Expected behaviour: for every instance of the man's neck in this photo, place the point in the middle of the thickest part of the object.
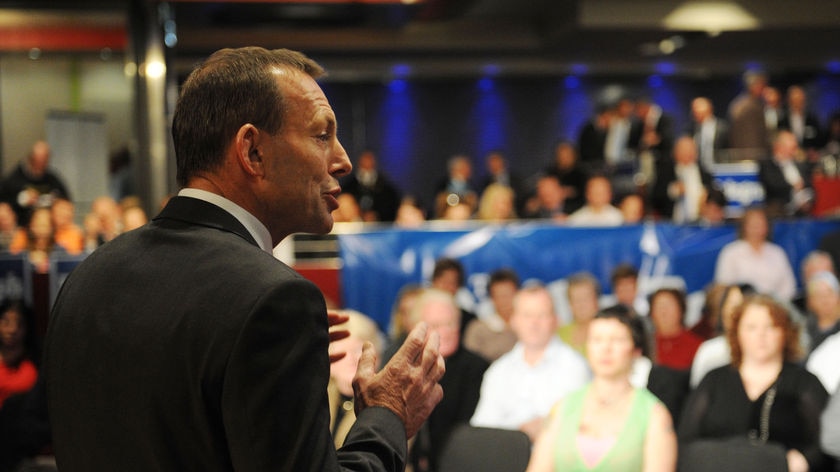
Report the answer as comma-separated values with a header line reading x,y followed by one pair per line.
x,y
533,355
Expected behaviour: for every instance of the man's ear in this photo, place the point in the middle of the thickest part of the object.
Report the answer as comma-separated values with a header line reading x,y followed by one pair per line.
x,y
248,153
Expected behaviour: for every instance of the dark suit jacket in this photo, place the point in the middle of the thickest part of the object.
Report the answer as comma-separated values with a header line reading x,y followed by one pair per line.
x,y
182,346
813,135
720,139
777,192
666,173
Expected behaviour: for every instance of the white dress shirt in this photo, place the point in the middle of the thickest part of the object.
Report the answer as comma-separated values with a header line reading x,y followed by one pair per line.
x,y
514,392
824,362
254,226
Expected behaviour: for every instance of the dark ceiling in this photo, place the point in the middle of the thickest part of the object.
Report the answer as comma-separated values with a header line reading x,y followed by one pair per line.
x,y
369,39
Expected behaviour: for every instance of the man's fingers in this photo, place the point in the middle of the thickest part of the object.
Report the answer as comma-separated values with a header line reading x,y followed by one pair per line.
x,y
334,318
432,360
337,357
339,334
412,348
367,362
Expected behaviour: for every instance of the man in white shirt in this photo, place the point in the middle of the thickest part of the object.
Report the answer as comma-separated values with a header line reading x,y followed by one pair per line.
x,y
598,210
520,387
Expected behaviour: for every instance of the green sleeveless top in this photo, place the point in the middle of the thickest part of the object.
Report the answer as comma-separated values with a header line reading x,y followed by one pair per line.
x,y
627,452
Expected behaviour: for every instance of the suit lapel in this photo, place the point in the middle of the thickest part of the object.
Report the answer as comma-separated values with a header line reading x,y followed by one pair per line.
x,y
198,212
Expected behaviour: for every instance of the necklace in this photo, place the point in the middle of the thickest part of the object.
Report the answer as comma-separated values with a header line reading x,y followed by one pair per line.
x,y
605,401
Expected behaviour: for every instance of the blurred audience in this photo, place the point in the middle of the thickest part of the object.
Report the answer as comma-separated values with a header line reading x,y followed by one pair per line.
x,y
748,135
710,133
598,211
32,184
830,433
762,398
675,345
448,275
520,387
753,259
461,382
67,233
608,425
549,200
582,292
491,335
402,320
823,301
18,355
570,174
802,122
786,181
9,228
715,352
498,172
497,204
681,185
377,198
340,389
457,187
38,242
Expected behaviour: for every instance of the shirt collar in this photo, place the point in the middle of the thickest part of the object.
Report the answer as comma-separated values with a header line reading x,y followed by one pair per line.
x,y
254,226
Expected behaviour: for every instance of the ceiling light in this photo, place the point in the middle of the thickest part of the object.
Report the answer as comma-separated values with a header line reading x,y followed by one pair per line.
x,y
712,17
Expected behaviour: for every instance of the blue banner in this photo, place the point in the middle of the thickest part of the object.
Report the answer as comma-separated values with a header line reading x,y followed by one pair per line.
x,y
378,263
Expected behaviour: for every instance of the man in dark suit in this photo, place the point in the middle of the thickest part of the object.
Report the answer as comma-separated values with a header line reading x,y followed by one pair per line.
x,y
802,122
184,345
681,184
378,198
786,182
711,134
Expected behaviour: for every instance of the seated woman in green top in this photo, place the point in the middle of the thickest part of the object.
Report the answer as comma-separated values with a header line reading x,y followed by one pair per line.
x,y
608,425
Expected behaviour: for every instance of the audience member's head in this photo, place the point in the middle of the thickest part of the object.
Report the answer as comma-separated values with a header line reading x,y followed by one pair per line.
x,y
348,210
730,300
625,284
615,339
534,320
702,109
16,336
448,275
362,329
685,151
133,218
496,203
502,288
713,210
754,226
8,218
438,310
565,155
785,146
667,311
824,298
409,214
762,332
814,262
38,159
598,192
583,292
401,314
632,209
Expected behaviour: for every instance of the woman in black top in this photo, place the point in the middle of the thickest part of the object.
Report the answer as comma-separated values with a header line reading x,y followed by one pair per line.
x,y
762,396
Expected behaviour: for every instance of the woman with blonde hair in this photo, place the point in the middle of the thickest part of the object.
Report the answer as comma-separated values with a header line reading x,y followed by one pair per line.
x,y
497,203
